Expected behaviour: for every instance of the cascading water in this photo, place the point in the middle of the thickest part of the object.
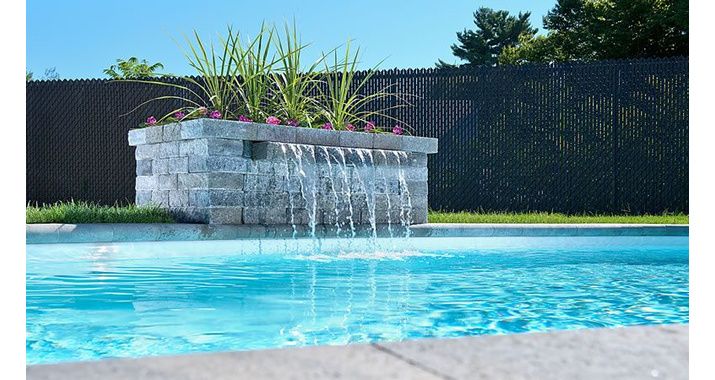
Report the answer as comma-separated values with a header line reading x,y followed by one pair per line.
x,y
405,213
387,197
331,181
358,175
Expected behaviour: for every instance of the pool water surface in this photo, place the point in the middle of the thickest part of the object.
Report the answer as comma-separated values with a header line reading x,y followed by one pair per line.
x,y
93,301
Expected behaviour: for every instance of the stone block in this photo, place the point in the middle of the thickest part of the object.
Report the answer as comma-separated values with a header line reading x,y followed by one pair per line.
x,y
167,182
146,183
178,165
416,159
178,198
314,136
197,147
154,134
225,215
417,188
224,197
267,151
265,215
203,128
160,166
193,180
226,181
415,173
199,198
276,133
146,151
172,132
356,139
265,183
219,164
234,181
216,197
168,149
212,147
386,157
160,198
261,199
144,167
143,198
386,141
137,136
387,185
419,144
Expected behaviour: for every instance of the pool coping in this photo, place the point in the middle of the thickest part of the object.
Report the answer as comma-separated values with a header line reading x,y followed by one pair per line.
x,y
111,232
637,352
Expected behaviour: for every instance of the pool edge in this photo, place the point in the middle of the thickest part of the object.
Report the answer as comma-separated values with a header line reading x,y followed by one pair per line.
x,y
109,233
614,353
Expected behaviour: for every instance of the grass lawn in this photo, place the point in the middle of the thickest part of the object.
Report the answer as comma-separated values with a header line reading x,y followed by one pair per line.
x,y
83,212
548,217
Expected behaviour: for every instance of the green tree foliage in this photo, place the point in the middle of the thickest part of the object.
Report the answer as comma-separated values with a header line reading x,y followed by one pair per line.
x,y
495,31
28,76
606,29
132,68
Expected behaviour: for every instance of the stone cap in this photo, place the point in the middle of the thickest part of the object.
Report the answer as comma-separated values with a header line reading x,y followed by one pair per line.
x,y
228,129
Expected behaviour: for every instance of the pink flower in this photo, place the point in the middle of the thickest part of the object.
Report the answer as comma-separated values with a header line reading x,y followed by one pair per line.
x,y
370,126
397,130
292,122
350,127
327,126
215,114
151,120
203,110
273,120
244,119
179,115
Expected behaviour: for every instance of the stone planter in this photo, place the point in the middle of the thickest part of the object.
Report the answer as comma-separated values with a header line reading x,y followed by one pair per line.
x,y
229,172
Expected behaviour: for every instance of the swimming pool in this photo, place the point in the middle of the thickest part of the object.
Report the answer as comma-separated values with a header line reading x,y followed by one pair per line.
x,y
93,301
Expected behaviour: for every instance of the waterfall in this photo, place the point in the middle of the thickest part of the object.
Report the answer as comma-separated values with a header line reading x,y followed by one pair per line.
x,y
405,214
344,175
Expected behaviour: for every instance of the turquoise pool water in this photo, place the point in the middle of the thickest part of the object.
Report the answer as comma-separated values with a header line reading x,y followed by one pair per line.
x,y
92,301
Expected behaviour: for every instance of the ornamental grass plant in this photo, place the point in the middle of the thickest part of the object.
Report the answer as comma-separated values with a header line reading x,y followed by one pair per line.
x,y
264,79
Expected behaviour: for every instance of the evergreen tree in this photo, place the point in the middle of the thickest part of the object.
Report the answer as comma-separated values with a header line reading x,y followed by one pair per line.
x,y
494,31
607,29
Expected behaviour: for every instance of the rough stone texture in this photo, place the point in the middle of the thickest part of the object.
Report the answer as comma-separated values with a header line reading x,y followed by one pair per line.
x,y
223,172
644,352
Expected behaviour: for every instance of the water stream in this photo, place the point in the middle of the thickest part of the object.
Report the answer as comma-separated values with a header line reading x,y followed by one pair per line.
x,y
348,176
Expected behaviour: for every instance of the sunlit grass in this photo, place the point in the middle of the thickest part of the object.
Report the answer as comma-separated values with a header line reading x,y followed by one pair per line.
x,y
84,212
549,217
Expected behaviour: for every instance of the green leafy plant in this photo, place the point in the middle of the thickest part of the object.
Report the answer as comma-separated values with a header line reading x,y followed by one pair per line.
x,y
132,68
85,212
343,101
294,85
215,87
253,61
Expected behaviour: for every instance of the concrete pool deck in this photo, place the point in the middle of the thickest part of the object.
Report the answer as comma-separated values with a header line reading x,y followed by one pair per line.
x,y
642,352
107,233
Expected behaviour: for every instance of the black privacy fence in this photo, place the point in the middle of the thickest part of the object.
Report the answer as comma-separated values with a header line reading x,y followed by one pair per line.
x,y
606,136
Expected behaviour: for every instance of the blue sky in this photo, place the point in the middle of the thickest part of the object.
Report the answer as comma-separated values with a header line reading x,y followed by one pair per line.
x,y
82,37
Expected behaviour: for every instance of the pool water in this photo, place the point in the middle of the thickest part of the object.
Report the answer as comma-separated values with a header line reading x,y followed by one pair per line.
x,y
93,301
